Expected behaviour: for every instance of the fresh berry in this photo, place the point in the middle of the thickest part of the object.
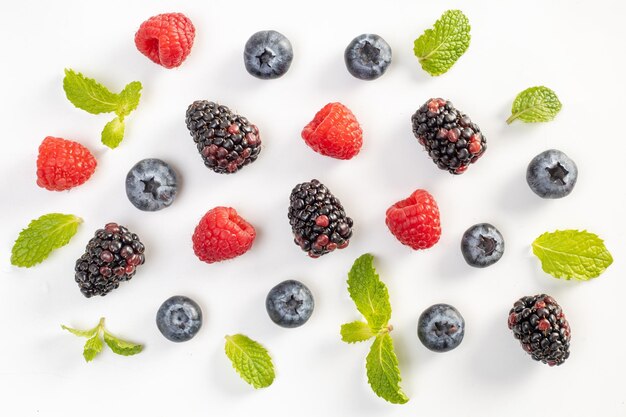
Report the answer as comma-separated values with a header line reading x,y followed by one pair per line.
x,y
289,304
318,220
441,328
449,136
334,132
267,55
552,174
166,39
151,185
415,220
222,234
63,164
482,245
367,57
112,256
179,318
539,324
226,141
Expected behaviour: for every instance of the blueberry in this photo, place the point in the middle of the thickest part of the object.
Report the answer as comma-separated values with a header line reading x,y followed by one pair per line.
x,y
267,55
441,328
151,185
482,245
179,318
551,174
289,304
367,56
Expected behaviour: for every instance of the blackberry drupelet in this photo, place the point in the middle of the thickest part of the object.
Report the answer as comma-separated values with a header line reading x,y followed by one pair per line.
x,y
450,137
318,220
112,256
226,141
541,327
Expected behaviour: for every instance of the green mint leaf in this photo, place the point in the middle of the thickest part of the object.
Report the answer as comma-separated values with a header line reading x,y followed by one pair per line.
x,y
356,331
369,293
82,333
93,346
42,236
113,132
439,48
572,254
121,347
251,360
535,104
383,373
87,94
129,99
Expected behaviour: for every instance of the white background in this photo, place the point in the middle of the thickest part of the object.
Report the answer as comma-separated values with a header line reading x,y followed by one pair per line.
x,y
574,47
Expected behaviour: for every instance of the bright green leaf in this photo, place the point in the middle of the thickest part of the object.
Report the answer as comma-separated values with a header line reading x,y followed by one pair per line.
x,y
87,94
113,133
129,99
121,347
93,346
82,333
369,293
356,331
383,372
572,254
535,104
42,236
251,360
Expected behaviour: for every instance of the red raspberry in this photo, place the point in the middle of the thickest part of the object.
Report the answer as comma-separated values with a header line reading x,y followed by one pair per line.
x,y
334,132
166,39
415,221
63,164
222,234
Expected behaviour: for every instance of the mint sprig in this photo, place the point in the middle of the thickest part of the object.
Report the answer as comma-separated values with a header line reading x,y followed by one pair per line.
x,y
42,236
572,254
94,345
89,95
439,48
371,298
534,105
251,360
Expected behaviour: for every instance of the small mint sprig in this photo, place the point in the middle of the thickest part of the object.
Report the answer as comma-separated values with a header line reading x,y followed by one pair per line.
x,y
371,298
89,95
251,360
94,345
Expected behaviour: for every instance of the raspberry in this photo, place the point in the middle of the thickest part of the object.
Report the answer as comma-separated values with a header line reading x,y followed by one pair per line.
x,y
334,132
63,164
166,39
415,220
222,234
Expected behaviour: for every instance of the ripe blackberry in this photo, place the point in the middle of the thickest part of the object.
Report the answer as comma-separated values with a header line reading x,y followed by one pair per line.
x,y
541,327
449,136
318,220
226,141
111,257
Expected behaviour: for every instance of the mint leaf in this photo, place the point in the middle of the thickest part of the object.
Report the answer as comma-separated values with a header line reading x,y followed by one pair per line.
x,y
251,360
439,48
113,133
87,94
82,333
93,346
356,331
572,254
369,293
535,104
383,373
121,347
128,99
42,236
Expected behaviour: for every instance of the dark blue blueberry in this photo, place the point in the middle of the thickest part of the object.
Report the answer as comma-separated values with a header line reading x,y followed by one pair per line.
x,y
290,304
367,56
151,185
551,174
267,55
441,328
179,318
482,245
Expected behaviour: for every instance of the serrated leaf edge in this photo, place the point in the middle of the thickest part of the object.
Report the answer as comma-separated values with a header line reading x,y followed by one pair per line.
x,y
253,382
515,116
403,399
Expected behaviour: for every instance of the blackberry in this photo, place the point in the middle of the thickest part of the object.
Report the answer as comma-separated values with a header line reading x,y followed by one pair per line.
x,y
541,327
450,137
112,256
318,220
226,141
